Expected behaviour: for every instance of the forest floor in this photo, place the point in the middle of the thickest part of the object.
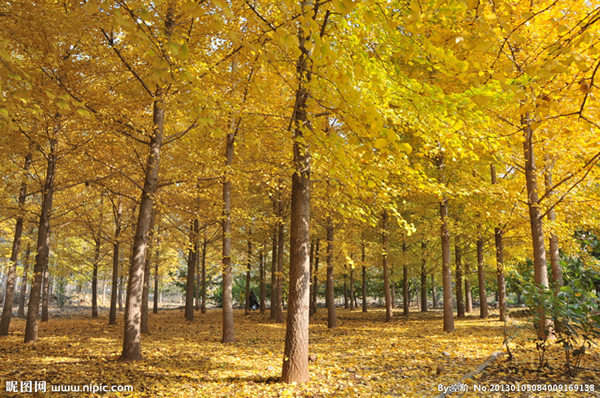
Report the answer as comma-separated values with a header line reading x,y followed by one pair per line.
x,y
363,357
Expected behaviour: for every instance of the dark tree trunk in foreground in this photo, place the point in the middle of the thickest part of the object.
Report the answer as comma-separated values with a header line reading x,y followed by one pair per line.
x,y
498,235
21,311
118,214
386,278
364,279
446,272
14,255
329,283
460,304
132,341
43,248
483,307
295,357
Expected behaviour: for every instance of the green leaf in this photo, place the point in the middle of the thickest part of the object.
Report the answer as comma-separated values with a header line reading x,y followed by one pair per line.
x,y
83,112
4,113
63,105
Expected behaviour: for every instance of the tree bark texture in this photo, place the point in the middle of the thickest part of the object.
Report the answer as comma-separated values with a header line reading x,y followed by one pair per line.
x,y
446,271
42,247
386,278
132,341
364,278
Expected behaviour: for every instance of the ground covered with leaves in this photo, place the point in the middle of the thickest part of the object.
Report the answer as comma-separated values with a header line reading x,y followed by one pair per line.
x,y
362,357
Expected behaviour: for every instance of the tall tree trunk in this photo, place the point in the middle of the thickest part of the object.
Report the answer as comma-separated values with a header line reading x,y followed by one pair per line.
x,y
386,279
228,336
535,219
460,304
329,287
24,282
423,279
364,278
43,247
14,254
95,278
315,292
248,269
483,307
203,279
118,214
295,362
498,235
557,275
191,269
263,282
275,239
132,340
446,272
